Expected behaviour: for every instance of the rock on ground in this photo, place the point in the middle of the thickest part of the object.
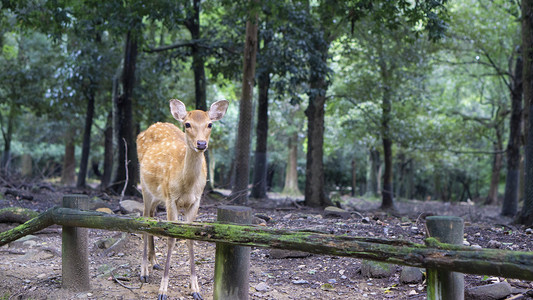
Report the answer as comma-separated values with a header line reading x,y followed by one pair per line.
x,y
493,291
377,269
131,206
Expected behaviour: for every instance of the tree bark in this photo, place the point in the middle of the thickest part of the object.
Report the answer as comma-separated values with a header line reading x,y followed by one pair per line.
x,y
497,163
387,192
291,173
68,174
512,181
86,147
315,194
108,152
242,146
503,263
373,171
526,215
7,134
259,183
124,104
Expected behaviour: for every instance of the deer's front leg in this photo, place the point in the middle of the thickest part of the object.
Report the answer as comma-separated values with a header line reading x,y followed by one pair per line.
x,y
195,289
164,281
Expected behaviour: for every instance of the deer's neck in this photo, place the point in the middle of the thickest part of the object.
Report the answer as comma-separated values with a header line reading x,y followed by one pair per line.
x,y
193,176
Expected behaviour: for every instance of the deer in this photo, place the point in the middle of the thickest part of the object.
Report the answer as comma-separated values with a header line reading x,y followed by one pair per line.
x,y
173,173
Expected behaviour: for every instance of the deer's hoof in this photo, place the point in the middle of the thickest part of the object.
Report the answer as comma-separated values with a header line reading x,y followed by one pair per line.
x,y
162,297
144,278
197,296
157,267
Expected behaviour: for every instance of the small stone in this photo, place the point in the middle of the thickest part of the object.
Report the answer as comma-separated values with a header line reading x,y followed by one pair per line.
x,y
411,275
261,287
341,272
365,220
105,210
529,230
498,290
335,212
494,244
105,243
466,243
476,246
332,281
131,206
300,281
376,269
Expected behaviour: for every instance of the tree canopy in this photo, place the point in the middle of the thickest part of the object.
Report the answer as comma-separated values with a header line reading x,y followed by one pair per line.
x,y
380,99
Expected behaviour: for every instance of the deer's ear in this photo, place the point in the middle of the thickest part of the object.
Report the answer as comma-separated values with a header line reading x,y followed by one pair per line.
x,y
178,110
218,110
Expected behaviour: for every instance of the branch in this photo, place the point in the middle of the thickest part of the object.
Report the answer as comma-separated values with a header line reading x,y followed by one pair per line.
x,y
198,42
175,46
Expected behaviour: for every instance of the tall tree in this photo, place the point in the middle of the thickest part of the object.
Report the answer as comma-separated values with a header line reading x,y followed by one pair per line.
x,y
127,166
259,183
510,198
324,34
242,145
526,214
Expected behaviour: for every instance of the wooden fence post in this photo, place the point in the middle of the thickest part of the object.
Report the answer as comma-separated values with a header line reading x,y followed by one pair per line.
x,y
74,249
443,284
232,263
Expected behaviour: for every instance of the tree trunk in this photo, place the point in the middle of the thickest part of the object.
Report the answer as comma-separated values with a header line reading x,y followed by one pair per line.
x,y
193,24
242,146
125,122
8,135
497,163
68,174
108,152
373,167
86,147
510,198
291,174
354,177
315,194
526,215
387,201
198,65
259,186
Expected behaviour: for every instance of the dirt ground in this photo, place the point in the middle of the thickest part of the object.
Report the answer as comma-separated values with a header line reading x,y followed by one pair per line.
x,y
31,268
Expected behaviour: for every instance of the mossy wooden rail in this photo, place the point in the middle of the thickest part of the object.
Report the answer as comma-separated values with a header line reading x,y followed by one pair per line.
x,y
510,264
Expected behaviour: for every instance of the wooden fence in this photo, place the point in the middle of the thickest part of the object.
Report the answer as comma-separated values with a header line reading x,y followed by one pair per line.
x,y
444,261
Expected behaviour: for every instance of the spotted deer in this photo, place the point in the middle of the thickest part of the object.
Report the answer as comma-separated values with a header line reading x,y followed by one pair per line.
x,y
173,172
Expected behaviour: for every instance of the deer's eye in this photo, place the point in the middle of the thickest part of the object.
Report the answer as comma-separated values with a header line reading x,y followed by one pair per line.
x,y
187,125
209,125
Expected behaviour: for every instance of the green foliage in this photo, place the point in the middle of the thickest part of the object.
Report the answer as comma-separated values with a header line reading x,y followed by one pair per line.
x,y
446,65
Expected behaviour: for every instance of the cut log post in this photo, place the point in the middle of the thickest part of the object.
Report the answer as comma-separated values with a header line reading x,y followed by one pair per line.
x,y
232,263
74,250
443,284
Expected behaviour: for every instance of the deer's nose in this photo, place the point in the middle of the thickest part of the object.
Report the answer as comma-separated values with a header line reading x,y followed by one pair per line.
x,y
201,145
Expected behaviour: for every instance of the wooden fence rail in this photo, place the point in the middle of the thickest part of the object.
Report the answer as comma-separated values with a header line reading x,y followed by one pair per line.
x,y
432,255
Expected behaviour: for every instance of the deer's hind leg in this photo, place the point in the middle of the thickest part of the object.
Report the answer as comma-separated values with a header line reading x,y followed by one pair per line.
x,y
148,240
172,215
